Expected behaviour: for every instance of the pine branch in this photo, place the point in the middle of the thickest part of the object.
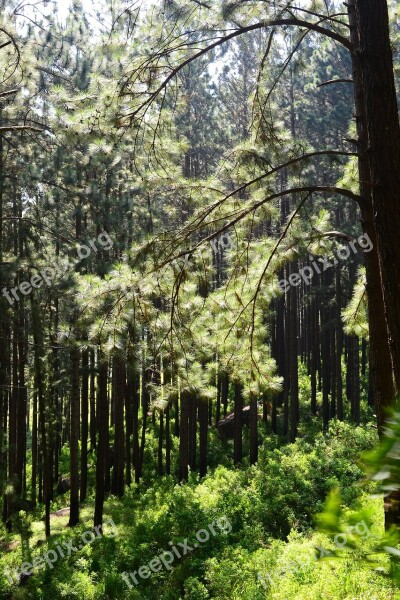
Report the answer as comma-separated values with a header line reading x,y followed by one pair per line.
x,y
310,189
52,73
335,81
198,221
7,128
8,93
5,44
237,32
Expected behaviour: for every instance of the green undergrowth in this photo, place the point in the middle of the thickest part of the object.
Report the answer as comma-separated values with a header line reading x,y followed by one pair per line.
x,y
268,550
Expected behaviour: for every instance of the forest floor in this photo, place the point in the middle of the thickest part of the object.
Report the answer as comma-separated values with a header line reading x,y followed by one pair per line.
x,y
265,546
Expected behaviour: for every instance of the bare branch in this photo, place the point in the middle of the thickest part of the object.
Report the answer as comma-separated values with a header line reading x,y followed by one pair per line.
x,y
203,4
335,81
331,18
8,93
52,73
19,128
5,44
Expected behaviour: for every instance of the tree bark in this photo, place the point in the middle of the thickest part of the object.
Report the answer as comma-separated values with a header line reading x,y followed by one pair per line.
x,y
102,440
74,438
238,424
383,155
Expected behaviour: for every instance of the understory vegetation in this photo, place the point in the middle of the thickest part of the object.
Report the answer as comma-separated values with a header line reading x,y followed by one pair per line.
x,y
272,548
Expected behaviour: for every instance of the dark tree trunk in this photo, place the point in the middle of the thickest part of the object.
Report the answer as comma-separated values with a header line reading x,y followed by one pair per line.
x,y
44,469
92,401
326,361
168,440
238,424
184,437
354,376
193,434
134,387
129,419
339,349
293,364
253,429
383,133
84,423
314,356
21,408
286,383
380,360
203,435
218,403
74,438
34,447
119,437
224,392
102,440
160,445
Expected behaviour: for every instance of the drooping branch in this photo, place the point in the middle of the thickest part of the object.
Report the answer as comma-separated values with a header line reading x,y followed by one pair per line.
x,y
331,18
198,221
10,40
223,39
296,190
253,207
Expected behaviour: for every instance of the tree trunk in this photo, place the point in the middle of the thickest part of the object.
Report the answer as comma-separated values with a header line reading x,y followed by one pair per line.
x,y
383,154
119,436
74,439
84,423
381,372
238,424
184,437
102,440
293,352
203,436
253,429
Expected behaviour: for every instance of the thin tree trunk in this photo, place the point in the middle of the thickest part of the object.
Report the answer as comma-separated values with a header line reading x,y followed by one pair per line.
x,y
168,440
102,440
293,358
84,423
119,437
253,429
203,436
74,438
238,424
184,437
